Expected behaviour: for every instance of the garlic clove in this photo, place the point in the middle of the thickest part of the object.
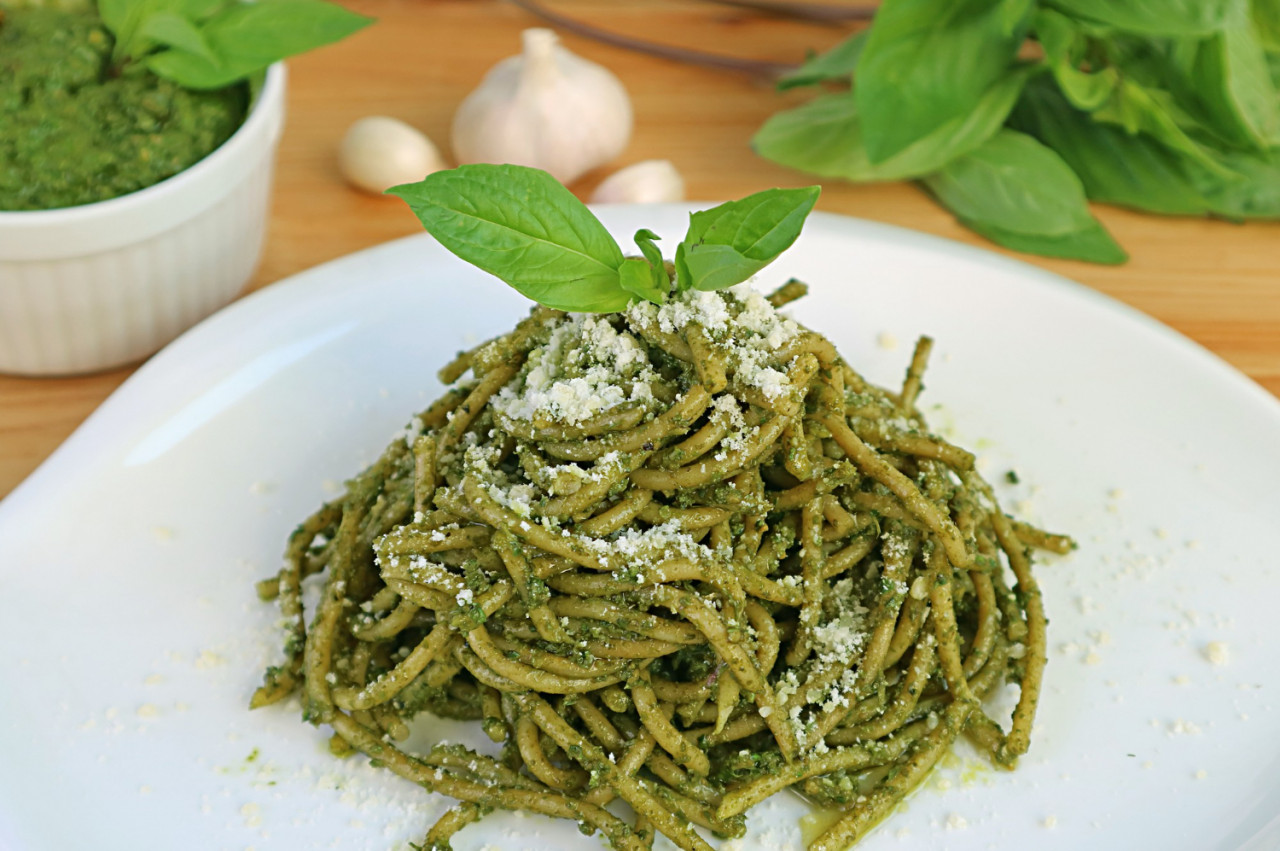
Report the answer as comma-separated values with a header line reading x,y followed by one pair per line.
x,y
546,108
648,182
379,152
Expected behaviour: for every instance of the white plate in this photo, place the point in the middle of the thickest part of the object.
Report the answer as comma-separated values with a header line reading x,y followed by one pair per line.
x,y
132,638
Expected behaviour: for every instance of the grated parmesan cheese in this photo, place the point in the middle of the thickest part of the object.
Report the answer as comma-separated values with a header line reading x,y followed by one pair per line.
x,y
586,367
1217,652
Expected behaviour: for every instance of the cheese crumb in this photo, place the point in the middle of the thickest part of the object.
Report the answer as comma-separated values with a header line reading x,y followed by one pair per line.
x,y
1217,652
586,367
919,588
208,659
252,815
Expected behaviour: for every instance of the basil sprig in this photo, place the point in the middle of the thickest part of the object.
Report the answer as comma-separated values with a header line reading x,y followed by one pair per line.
x,y
209,44
522,226
1168,106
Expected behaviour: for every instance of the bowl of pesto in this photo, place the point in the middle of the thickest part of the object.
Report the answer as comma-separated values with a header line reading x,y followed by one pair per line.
x,y
136,159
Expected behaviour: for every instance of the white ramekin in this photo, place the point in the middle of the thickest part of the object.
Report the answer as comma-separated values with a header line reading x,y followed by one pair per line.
x,y
100,285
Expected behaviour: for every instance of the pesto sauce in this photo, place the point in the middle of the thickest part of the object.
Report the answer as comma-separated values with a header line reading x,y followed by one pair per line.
x,y
73,130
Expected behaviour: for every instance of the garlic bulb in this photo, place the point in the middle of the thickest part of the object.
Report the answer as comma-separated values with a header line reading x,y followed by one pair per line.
x,y
380,152
546,108
648,182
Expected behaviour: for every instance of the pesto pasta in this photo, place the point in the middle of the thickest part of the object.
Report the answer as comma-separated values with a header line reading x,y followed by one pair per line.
x,y
681,555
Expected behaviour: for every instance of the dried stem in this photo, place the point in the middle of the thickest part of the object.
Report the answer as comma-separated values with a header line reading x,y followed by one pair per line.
x,y
818,12
753,67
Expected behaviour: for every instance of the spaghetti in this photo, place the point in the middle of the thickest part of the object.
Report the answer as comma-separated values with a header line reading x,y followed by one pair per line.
x,y
683,556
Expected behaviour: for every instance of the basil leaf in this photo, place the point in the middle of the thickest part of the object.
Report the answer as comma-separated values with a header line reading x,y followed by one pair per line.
x,y
1254,191
522,226
1227,79
1065,45
138,26
122,18
1157,17
714,267
246,37
1140,109
645,240
198,10
824,137
189,70
1114,166
1092,244
927,62
1266,22
115,14
1015,14
1139,172
1020,194
170,29
1016,184
836,64
646,276
635,275
729,243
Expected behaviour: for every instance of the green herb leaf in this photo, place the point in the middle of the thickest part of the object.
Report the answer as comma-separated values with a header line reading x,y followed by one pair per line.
x,y
247,37
189,70
115,14
635,275
1114,166
1015,15
1014,183
1013,186
729,243
1157,17
836,64
198,10
646,276
1065,45
928,62
825,136
1139,109
170,29
1266,22
123,18
254,35
645,240
1092,244
1139,172
522,226
1227,80
1252,193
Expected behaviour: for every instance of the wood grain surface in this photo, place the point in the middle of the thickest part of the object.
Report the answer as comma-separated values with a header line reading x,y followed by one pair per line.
x,y
1217,283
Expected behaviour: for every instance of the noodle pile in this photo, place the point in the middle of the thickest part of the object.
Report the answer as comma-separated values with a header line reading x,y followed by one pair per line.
x,y
682,556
